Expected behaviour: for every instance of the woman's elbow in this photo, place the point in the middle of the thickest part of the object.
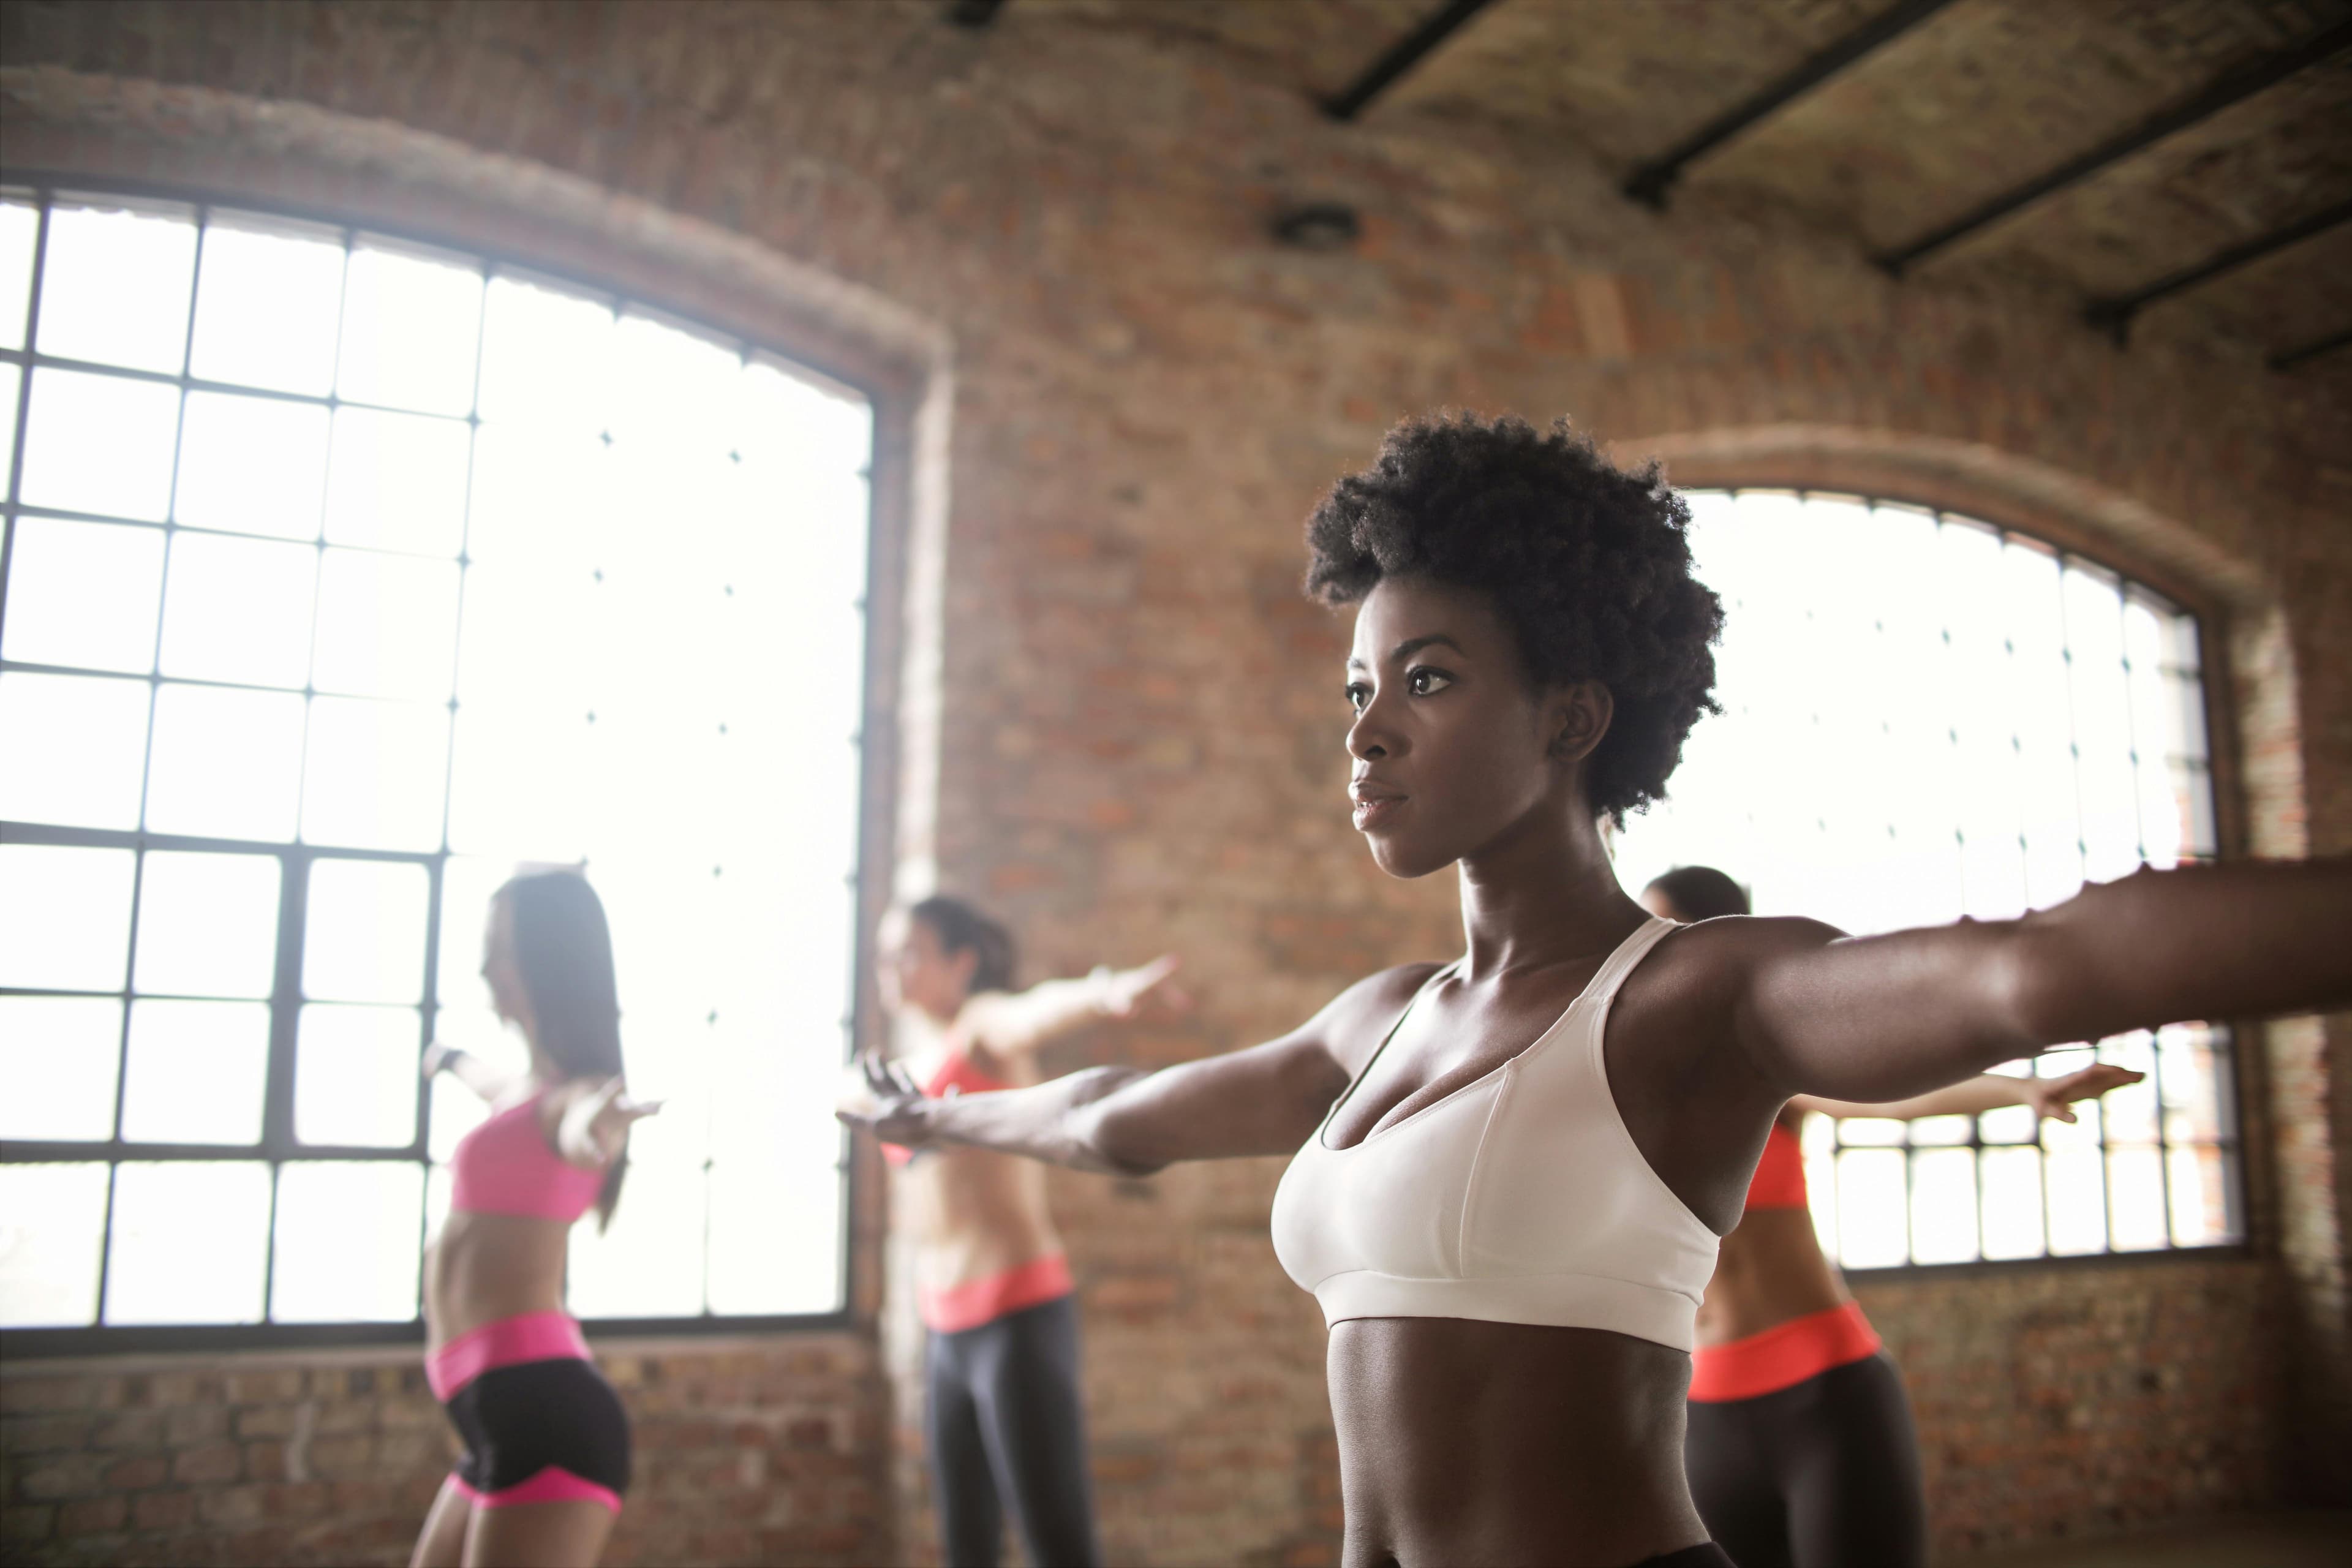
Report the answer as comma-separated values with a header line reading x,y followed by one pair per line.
x,y
1117,1138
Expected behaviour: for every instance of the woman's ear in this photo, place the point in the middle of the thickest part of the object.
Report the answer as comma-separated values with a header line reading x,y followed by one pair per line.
x,y
1579,717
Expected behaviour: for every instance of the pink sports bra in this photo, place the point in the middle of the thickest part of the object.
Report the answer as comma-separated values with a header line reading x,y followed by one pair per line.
x,y
504,1167
956,1075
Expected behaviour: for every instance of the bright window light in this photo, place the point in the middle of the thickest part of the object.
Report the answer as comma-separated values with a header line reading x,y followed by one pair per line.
x,y
1924,717
346,576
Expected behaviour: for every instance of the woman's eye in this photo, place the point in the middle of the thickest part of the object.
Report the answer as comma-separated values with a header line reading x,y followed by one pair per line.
x,y
1357,695
1427,682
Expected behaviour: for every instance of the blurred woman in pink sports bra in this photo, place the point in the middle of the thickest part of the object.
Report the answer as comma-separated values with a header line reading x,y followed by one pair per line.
x,y
1003,1413
547,1443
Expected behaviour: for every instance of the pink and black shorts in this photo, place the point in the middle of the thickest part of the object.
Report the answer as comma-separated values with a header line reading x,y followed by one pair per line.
x,y
540,1423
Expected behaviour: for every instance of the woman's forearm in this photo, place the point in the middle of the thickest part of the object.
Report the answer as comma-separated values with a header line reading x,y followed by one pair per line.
x,y
473,1073
1060,1121
1266,1099
2244,940
1020,1021
1970,1097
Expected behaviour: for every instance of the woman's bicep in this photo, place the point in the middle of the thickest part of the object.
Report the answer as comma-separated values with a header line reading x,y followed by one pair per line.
x,y
1880,1018
1265,1100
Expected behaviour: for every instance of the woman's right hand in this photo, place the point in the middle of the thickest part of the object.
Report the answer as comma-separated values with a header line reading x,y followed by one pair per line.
x,y
2053,1097
882,1098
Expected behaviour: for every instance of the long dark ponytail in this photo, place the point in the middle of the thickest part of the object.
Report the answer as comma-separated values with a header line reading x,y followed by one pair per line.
x,y
961,928
564,948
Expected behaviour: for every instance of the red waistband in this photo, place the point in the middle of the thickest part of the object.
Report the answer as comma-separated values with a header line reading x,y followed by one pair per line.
x,y
977,1301
553,1484
532,1336
1781,1356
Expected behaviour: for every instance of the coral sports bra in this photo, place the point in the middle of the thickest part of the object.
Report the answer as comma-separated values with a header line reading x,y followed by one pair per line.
x,y
957,1073
1519,1198
1780,1179
505,1166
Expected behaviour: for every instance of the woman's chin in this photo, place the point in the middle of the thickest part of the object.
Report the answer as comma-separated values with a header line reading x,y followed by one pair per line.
x,y
1400,858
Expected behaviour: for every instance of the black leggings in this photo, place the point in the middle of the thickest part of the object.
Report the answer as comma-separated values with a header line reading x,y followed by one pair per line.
x,y
1822,1475
1007,1426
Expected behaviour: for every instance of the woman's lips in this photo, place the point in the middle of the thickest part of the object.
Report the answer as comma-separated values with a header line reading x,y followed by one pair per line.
x,y
1373,811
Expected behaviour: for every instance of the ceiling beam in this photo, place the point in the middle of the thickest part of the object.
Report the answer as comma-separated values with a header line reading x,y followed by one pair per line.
x,y
2115,314
2231,90
1648,183
973,14
2326,345
1406,54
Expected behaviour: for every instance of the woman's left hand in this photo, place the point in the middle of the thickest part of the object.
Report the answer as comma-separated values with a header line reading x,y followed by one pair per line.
x,y
1126,989
2052,1097
610,1114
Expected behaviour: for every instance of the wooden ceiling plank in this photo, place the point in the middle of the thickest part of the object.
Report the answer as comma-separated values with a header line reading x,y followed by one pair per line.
x,y
2115,315
1406,53
2231,89
1648,183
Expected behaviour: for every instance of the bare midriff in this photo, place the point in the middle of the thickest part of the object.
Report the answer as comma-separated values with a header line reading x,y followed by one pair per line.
x,y
485,1266
1769,1271
1507,1443
974,1214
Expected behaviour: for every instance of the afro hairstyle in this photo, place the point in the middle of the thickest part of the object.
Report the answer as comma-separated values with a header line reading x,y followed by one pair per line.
x,y
1589,564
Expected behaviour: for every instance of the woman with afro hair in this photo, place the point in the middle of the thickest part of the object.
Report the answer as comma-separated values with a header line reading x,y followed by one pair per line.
x,y
1511,1170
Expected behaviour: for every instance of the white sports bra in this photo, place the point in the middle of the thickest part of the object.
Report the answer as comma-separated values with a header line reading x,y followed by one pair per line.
x,y
1519,1198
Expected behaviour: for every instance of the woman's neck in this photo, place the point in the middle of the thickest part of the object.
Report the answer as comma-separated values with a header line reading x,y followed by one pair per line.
x,y
1543,893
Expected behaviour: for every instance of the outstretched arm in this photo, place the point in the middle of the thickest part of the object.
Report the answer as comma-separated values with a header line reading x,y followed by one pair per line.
x,y
1008,1022
2049,1096
466,1068
1266,1099
1873,1019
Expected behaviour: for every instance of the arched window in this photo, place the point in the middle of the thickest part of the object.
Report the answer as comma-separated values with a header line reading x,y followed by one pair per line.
x,y
1926,716
342,574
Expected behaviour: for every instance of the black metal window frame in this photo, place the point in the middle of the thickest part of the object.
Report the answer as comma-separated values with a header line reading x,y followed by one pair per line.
x,y
2223,1037
279,1146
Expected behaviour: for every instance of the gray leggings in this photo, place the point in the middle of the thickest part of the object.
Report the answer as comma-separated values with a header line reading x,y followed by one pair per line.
x,y
1007,1426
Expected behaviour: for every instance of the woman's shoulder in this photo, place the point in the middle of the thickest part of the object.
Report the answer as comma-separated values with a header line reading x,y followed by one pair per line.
x,y
1377,999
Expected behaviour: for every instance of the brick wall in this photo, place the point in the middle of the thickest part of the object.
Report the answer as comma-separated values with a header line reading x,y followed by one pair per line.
x,y
762,1452
1136,745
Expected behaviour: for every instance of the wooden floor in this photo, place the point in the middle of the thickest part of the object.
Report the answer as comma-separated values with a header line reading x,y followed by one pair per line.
x,y
2264,1541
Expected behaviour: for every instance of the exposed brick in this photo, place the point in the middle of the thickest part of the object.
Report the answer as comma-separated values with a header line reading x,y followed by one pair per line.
x,y
161,1511
192,1425
44,1434
211,1464
268,1421
92,1516
26,1522
138,1473
62,1476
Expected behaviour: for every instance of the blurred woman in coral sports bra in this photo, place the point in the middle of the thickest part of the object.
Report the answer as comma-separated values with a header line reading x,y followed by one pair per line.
x,y
1799,1447
547,1443
1005,1422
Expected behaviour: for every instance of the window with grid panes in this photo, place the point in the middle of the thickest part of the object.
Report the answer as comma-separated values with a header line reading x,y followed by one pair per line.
x,y
1926,717
342,576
